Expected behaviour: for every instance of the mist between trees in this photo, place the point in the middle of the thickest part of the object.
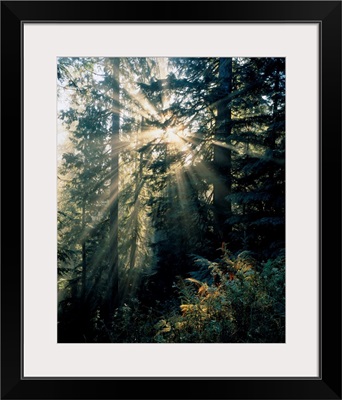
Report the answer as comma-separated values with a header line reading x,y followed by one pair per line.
x,y
171,200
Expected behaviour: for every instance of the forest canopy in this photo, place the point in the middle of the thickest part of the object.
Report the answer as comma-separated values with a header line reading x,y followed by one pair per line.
x,y
171,200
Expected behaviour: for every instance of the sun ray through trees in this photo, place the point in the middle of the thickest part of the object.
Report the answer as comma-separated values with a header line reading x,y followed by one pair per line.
x,y
171,199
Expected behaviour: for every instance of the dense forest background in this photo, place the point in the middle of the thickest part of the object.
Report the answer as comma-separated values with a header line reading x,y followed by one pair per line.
x,y
171,200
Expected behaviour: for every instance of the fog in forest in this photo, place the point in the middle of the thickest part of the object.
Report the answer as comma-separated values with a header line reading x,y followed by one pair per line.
x,y
171,200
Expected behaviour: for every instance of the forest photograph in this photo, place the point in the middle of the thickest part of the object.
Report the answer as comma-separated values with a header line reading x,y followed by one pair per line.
x,y
171,200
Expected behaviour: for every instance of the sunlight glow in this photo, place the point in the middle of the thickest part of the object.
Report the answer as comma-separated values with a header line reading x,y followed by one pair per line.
x,y
173,136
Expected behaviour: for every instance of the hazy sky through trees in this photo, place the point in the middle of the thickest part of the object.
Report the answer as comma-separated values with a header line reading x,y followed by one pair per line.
x,y
171,199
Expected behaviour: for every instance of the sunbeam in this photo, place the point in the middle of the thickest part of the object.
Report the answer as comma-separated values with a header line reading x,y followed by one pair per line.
x,y
169,170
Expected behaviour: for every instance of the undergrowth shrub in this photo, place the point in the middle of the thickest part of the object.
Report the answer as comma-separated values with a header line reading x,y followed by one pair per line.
x,y
239,301
234,299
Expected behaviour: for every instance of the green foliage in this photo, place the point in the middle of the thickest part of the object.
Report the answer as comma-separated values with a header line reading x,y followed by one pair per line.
x,y
245,303
247,306
178,205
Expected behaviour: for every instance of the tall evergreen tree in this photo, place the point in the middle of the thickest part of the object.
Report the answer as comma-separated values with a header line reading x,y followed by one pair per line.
x,y
112,296
165,160
259,171
222,151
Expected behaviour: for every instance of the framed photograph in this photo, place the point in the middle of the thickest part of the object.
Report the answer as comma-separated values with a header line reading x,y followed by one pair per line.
x,y
179,199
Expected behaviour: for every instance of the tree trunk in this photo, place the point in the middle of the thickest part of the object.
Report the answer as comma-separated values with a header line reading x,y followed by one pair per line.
x,y
222,154
112,298
84,259
273,134
135,215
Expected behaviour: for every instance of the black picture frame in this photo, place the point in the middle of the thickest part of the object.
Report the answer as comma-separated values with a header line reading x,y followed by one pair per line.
x,y
328,384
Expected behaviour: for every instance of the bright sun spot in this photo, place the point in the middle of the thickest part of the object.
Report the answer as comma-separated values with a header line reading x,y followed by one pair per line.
x,y
172,135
